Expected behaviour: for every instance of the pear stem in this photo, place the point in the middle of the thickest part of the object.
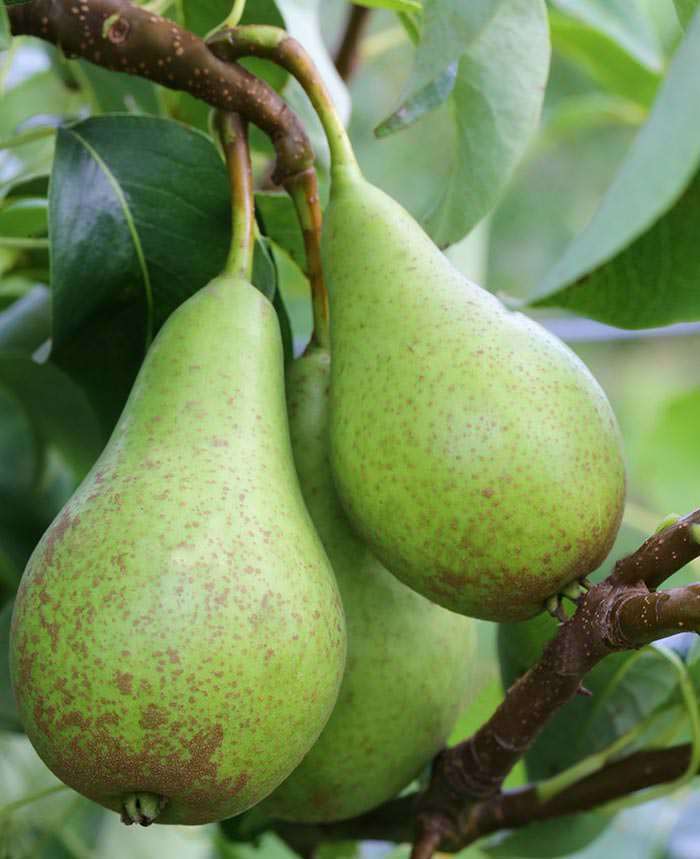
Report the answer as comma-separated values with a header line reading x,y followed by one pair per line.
x,y
233,133
303,189
272,43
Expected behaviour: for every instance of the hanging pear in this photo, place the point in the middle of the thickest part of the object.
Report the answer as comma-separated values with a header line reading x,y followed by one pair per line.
x,y
178,638
471,449
409,666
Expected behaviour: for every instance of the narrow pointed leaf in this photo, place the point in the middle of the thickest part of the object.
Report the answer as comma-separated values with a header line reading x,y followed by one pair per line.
x,y
623,268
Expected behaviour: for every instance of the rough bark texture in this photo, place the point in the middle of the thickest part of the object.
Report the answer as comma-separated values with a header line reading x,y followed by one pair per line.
x,y
120,36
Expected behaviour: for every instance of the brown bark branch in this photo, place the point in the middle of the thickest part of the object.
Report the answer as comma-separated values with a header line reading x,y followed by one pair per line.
x,y
347,57
123,37
662,554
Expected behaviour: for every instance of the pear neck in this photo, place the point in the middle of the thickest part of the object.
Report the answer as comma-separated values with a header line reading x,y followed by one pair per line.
x,y
234,139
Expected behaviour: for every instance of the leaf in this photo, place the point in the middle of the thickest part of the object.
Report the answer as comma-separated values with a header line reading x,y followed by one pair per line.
x,y
56,407
624,268
450,27
280,223
668,463
154,226
685,9
24,217
425,100
115,92
495,107
9,720
264,271
26,323
394,5
5,34
543,839
103,357
293,287
626,22
604,59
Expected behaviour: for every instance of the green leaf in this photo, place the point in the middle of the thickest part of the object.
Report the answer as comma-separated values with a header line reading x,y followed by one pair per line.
x,y
450,27
636,264
115,92
27,216
40,94
425,100
9,720
395,5
280,223
264,271
57,408
103,357
155,227
550,838
495,108
604,59
668,463
5,34
685,9
626,22
26,323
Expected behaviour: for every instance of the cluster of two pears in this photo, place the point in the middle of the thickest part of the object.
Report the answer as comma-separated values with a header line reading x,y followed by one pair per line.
x,y
178,639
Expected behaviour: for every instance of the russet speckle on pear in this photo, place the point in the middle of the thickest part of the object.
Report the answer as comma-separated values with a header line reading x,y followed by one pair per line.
x,y
178,632
472,450
409,666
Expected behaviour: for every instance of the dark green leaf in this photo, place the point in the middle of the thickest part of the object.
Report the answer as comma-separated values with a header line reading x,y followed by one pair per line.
x,y
637,264
103,358
9,720
20,450
5,34
30,186
155,226
57,408
24,217
280,223
541,840
264,271
26,323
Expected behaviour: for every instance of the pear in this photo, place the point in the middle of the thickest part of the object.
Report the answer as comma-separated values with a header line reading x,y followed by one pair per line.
x,y
178,638
472,450
409,666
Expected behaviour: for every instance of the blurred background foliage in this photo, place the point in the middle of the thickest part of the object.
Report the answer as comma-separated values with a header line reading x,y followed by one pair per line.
x,y
608,60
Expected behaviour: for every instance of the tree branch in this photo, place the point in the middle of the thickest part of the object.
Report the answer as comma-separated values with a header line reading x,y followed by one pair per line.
x,y
123,37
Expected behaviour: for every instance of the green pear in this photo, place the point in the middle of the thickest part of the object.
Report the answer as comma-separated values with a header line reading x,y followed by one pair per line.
x,y
178,639
409,663
472,450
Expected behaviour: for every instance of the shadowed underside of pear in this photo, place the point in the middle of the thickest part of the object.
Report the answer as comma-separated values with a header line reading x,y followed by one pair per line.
x,y
472,450
408,671
178,632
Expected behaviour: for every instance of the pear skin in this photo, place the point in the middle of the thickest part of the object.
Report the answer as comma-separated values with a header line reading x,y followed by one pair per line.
x,y
409,666
472,450
178,639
